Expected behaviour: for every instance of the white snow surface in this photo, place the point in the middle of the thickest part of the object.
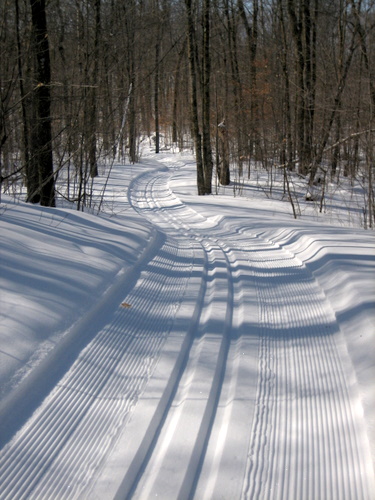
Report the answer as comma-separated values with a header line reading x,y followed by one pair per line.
x,y
181,347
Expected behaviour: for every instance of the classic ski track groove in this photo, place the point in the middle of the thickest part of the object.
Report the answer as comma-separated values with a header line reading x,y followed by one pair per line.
x,y
299,418
301,380
77,421
156,189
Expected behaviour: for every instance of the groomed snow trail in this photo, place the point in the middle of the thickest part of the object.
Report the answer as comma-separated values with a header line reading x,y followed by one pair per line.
x,y
208,389
62,445
307,439
261,406
222,380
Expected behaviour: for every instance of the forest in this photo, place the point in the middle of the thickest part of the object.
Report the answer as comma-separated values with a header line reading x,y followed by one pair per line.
x,y
284,85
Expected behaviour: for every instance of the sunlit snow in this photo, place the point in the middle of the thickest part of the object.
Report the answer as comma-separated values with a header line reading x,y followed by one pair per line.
x,y
242,365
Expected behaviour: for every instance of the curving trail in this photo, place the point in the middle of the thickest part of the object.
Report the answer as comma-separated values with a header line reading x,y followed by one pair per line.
x,y
261,407
223,380
212,359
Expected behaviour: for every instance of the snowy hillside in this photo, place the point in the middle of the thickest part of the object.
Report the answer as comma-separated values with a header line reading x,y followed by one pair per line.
x,y
184,347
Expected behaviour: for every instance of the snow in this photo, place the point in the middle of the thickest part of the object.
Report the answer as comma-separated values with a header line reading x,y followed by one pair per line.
x,y
240,365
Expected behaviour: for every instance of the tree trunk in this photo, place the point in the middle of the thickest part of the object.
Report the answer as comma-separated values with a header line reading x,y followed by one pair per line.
x,y
176,94
130,7
287,142
42,160
224,172
304,34
156,82
193,97
252,39
93,95
206,101
156,100
25,124
239,121
297,30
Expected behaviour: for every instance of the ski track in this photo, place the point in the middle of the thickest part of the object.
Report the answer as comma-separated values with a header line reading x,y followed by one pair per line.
x,y
260,406
306,439
183,436
63,444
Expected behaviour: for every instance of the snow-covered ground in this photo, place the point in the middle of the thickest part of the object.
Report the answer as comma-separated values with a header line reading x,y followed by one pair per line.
x,y
185,347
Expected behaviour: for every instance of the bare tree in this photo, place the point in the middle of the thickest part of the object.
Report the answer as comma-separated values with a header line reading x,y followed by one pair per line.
x,y
252,39
293,80
92,114
206,100
41,161
192,53
302,16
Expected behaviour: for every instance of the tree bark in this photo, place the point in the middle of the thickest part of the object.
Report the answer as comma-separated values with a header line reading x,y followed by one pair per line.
x,y
176,93
25,124
42,161
252,39
287,142
193,97
206,101
130,10
239,121
93,95
304,34
224,171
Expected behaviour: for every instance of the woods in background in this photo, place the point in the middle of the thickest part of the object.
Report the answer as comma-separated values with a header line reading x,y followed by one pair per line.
x,y
287,83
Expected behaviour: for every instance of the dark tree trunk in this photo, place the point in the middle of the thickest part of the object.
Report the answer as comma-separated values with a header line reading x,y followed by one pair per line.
x,y
25,124
252,38
130,9
194,100
176,93
93,95
287,142
206,101
156,102
156,82
305,37
224,172
41,161
240,121
297,30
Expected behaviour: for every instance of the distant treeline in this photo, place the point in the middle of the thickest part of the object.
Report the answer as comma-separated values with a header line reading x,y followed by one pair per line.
x,y
285,81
